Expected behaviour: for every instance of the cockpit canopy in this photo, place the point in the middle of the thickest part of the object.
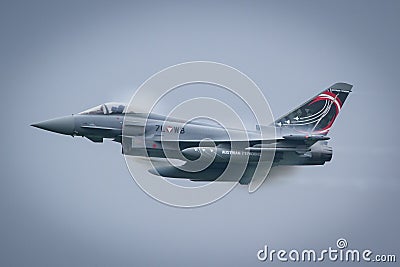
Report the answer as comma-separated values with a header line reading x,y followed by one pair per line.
x,y
105,109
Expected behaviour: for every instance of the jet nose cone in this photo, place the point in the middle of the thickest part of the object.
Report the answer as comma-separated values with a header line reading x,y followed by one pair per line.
x,y
63,125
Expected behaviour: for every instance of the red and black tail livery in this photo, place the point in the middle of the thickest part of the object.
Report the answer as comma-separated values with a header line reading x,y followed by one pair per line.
x,y
317,115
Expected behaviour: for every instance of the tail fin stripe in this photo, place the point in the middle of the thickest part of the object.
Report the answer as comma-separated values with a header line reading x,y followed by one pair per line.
x,y
317,115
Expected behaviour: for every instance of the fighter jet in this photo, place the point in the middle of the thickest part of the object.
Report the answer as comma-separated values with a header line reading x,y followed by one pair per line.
x,y
300,135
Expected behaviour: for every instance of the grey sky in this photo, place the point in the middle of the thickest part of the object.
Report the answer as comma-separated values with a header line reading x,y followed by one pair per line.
x,y
69,202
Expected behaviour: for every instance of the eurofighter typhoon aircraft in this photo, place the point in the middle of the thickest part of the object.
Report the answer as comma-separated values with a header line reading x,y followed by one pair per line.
x,y
300,135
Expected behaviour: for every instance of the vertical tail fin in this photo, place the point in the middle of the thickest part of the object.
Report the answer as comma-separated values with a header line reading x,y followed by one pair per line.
x,y
316,116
